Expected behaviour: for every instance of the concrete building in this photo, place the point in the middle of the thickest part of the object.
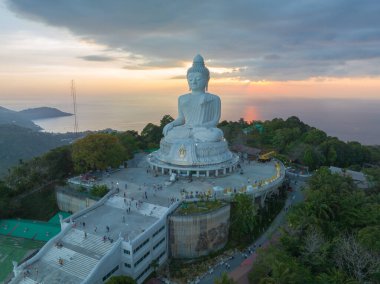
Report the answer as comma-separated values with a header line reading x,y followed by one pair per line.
x,y
115,236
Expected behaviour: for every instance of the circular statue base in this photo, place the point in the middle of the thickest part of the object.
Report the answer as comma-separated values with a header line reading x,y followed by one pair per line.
x,y
189,152
206,170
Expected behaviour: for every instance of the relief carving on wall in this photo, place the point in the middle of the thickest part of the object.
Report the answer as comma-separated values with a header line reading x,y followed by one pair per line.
x,y
213,238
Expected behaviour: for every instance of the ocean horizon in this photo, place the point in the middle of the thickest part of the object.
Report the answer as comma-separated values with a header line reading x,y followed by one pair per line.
x,y
349,120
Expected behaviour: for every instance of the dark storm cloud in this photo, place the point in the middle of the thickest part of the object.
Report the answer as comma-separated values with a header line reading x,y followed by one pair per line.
x,y
271,39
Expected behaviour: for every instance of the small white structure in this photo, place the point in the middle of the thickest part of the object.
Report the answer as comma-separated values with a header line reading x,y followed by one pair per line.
x,y
218,191
173,177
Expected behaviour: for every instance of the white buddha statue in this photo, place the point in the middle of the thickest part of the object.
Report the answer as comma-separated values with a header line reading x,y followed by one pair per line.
x,y
193,138
198,112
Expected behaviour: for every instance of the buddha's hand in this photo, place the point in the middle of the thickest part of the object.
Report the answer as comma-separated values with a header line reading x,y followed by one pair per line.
x,y
167,128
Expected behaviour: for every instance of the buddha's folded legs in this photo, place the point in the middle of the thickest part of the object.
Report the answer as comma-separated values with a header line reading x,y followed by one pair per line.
x,y
179,132
207,134
201,134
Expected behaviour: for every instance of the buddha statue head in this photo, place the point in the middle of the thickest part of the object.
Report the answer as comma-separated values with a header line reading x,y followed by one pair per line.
x,y
198,75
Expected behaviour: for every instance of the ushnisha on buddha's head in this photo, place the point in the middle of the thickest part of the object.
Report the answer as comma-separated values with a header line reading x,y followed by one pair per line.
x,y
198,75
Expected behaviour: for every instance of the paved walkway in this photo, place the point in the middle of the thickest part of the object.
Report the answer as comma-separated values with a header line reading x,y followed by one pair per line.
x,y
241,262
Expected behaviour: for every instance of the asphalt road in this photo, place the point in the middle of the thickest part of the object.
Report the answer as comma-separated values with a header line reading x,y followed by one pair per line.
x,y
236,260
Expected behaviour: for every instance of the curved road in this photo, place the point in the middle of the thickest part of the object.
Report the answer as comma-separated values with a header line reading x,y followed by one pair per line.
x,y
234,264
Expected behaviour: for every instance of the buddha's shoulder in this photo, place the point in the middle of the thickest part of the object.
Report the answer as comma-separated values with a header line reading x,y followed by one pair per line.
x,y
189,96
184,98
212,96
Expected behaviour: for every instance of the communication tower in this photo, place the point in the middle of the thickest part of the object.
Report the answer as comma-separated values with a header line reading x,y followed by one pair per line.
x,y
74,95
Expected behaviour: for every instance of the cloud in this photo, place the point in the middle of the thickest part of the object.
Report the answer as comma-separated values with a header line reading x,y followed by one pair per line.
x,y
100,58
142,64
275,40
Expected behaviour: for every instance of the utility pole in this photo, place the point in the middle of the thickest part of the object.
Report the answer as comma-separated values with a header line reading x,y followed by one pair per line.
x,y
74,95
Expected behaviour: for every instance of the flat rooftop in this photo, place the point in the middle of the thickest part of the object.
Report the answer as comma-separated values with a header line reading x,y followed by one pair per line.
x,y
89,239
123,216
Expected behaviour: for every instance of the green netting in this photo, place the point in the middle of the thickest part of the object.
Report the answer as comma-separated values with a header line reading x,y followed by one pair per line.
x,y
36,230
5,227
55,218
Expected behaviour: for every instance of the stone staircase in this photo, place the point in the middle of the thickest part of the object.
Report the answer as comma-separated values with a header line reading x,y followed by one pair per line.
x,y
145,208
74,263
92,243
27,280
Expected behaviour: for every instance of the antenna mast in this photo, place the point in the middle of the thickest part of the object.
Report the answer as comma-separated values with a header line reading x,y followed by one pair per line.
x,y
74,95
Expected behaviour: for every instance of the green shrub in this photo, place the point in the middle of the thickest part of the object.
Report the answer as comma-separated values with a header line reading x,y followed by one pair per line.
x,y
99,190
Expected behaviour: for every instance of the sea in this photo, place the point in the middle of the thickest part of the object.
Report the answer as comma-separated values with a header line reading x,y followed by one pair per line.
x,y
347,119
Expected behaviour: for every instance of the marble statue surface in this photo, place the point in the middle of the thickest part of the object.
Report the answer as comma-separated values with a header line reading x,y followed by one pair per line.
x,y
193,137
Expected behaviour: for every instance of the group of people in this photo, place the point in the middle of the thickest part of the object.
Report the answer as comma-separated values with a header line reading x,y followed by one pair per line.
x,y
28,272
107,238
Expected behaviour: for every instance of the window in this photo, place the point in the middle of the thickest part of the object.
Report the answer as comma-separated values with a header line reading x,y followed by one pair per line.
x,y
142,273
110,273
127,265
141,245
160,242
142,258
127,251
161,255
158,231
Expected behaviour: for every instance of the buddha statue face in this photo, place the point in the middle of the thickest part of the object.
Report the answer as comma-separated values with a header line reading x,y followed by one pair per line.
x,y
197,81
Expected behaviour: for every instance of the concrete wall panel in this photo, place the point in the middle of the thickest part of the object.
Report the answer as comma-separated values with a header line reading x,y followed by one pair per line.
x,y
192,236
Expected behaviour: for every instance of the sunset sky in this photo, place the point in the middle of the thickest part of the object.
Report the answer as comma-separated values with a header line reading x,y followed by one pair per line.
x,y
256,50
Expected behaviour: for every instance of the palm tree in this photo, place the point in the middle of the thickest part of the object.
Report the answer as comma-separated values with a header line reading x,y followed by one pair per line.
x,y
224,279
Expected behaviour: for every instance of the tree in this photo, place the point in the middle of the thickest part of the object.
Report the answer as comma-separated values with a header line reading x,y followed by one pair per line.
x,y
130,141
282,137
295,122
58,162
314,250
312,158
368,237
165,120
154,264
151,135
224,279
97,151
121,279
99,190
243,218
277,266
356,261
4,200
335,275
315,137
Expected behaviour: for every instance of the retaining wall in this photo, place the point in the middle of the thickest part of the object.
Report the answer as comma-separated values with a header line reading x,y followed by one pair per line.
x,y
192,236
72,203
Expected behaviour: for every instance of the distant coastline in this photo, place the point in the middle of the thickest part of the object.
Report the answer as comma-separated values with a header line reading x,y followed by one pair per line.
x,y
43,113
